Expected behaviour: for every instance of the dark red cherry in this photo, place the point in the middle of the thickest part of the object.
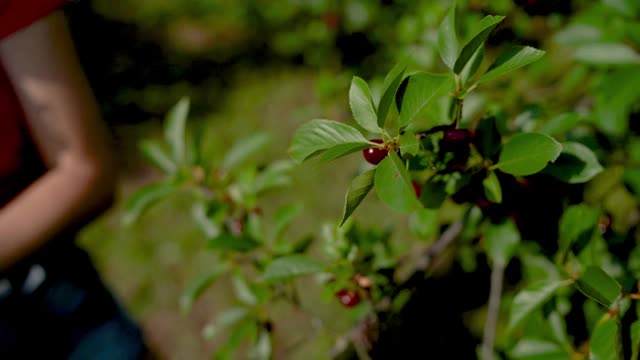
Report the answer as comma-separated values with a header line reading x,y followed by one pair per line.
x,y
375,155
417,188
348,298
456,137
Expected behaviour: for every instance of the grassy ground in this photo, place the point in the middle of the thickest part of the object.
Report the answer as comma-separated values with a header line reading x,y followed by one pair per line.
x,y
150,263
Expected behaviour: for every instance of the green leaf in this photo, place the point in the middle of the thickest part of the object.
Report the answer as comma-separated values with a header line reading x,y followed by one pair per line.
x,y
409,144
492,188
154,152
208,226
319,135
502,242
577,221
605,343
532,298
261,350
606,54
283,218
424,223
635,339
598,285
433,194
447,39
390,87
242,289
199,285
528,153
486,26
510,60
362,105
246,330
341,150
174,129
358,190
472,66
144,198
576,164
291,266
488,139
393,185
227,241
560,124
245,150
422,89
273,176
530,349
231,316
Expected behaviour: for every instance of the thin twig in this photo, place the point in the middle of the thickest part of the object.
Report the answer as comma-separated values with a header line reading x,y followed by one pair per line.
x,y
447,237
497,276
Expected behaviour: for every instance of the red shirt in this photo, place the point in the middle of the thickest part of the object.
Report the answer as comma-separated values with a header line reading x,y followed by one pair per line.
x,y
19,162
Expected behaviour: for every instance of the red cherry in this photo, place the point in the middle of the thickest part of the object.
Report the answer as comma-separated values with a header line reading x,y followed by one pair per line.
x,y
483,203
331,19
348,298
417,188
456,137
374,155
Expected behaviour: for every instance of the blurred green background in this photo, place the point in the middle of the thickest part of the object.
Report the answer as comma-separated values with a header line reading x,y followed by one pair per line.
x,y
269,66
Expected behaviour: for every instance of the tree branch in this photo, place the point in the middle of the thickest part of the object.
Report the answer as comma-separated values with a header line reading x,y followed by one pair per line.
x,y
497,277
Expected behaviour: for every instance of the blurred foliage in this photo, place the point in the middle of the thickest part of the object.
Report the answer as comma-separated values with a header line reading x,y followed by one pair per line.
x,y
144,56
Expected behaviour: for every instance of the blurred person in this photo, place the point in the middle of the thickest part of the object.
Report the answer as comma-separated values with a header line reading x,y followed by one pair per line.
x,y
56,173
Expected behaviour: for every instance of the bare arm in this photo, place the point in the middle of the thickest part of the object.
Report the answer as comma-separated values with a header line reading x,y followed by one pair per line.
x,y
64,121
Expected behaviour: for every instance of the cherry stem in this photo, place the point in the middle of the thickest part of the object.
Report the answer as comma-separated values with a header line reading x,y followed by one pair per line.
x,y
458,112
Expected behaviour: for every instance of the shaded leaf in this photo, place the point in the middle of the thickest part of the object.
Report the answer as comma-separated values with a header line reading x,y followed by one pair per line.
x,y
486,26
390,87
358,190
393,185
598,285
472,66
576,164
577,221
492,188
